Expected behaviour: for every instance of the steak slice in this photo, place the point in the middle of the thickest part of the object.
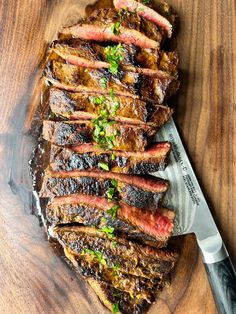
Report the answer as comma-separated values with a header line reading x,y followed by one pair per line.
x,y
89,266
84,106
147,227
116,300
88,157
79,79
142,192
133,30
133,258
146,12
121,136
93,55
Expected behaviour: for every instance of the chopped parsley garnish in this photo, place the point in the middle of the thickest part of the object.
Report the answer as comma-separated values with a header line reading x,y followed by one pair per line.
x,y
111,93
100,124
98,100
114,54
99,132
96,254
131,295
114,183
116,28
110,193
103,82
146,1
114,244
104,166
115,107
113,210
113,157
115,308
116,268
104,220
109,231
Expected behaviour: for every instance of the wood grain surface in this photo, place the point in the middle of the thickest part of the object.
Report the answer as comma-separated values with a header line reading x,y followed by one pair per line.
x,y
32,278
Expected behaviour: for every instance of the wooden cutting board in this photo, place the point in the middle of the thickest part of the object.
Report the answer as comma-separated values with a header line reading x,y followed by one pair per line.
x,y
32,278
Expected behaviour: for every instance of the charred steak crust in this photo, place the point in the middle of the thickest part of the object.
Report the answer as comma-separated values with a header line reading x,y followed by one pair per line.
x,y
156,63
110,296
92,216
131,111
136,259
145,226
97,186
79,79
67,133
125,83
62,159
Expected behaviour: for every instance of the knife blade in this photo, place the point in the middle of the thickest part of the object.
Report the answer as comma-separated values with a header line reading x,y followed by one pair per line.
x,y
193,216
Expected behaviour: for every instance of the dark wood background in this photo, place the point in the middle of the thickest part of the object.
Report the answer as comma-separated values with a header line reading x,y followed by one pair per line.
x,y
32,278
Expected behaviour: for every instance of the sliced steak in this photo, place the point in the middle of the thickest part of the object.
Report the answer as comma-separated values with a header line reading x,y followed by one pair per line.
x,y
133,258
133,29
144,226
115,300
79,79
84,106
90,158
89,266
121,136
146,12
142,192
93,55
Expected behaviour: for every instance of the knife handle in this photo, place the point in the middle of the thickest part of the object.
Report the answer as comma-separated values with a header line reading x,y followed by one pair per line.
x,y
222,278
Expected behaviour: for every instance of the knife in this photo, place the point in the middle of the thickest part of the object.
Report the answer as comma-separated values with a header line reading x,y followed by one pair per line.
x,y
193,216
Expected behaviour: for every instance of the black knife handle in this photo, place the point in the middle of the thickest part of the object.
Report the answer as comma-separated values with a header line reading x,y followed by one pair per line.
x,y
222,279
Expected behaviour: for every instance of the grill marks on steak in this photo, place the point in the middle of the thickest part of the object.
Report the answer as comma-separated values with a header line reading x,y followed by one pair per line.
x,y
92,52
127,273
66,133
154,159
142,192
110,296
90,268
133,258
81,79
133,30
78,105
92,55
82,106
150,228
130,84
